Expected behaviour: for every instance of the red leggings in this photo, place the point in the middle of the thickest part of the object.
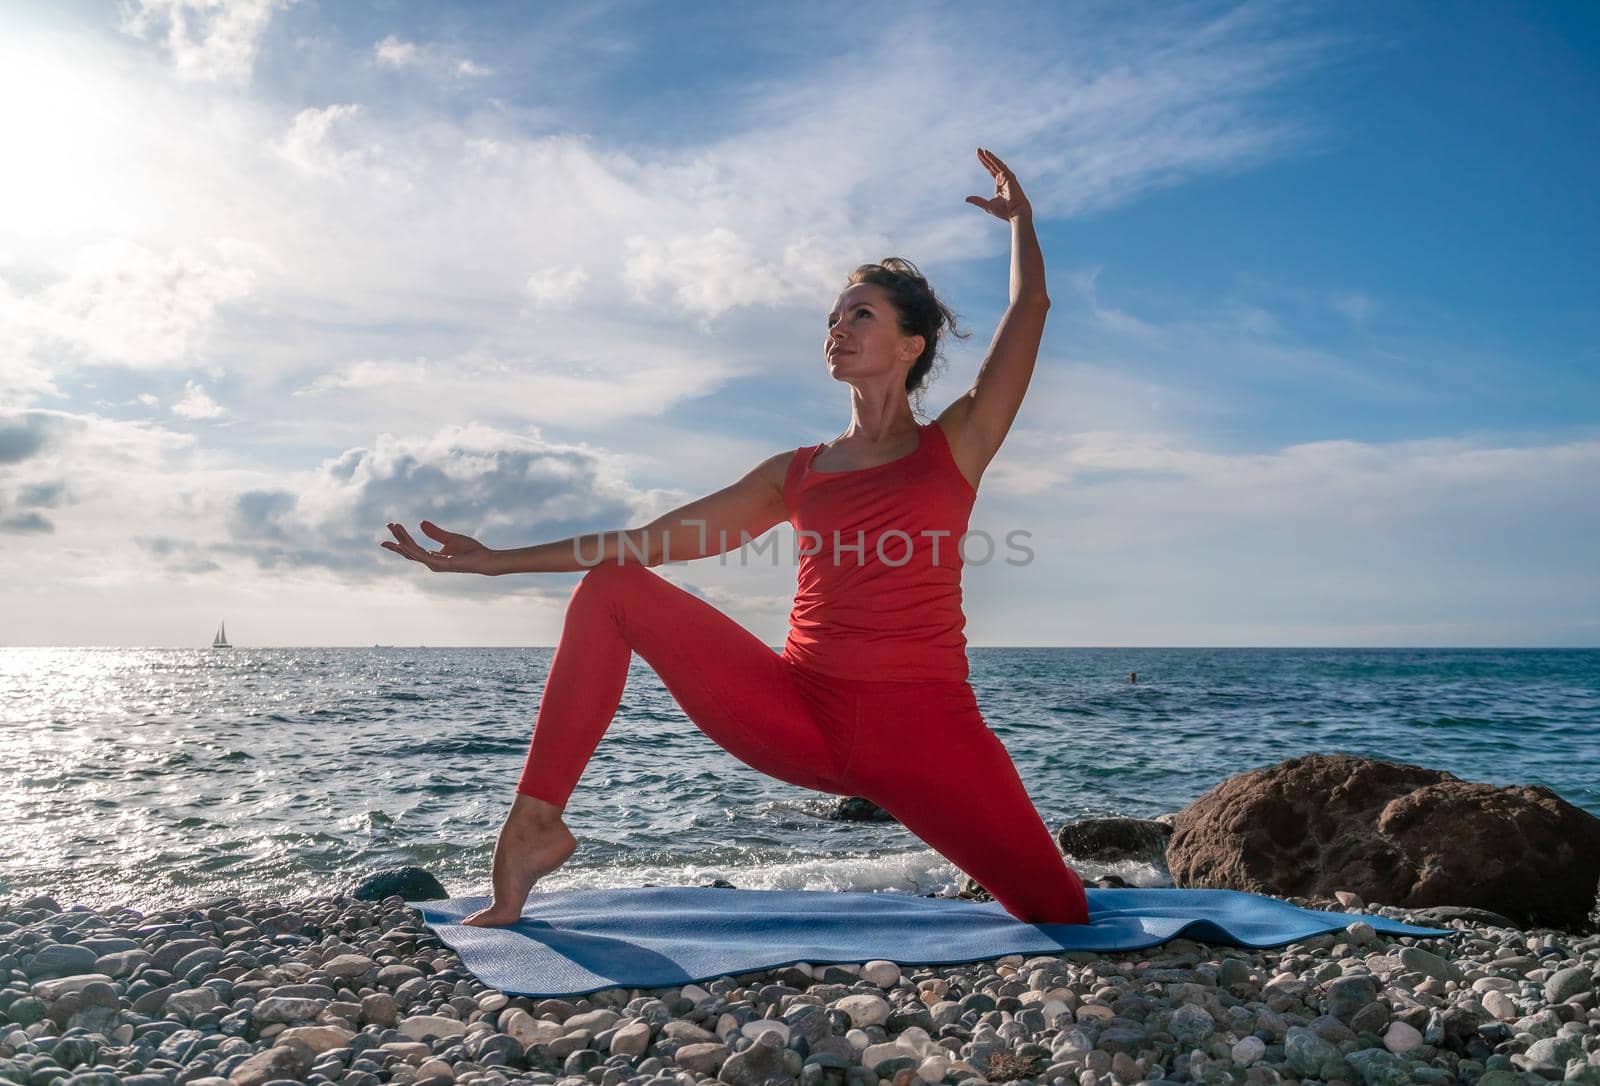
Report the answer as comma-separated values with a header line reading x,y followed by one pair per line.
x,y
912,748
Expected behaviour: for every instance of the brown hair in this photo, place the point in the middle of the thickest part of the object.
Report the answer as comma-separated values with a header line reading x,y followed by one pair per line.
x,y
920,311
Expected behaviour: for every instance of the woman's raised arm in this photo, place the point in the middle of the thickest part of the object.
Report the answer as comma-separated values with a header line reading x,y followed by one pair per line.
x,y
980,418
718,522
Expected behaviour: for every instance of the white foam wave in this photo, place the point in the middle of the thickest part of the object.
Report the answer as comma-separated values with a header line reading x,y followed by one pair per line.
x,y
918,871
921,871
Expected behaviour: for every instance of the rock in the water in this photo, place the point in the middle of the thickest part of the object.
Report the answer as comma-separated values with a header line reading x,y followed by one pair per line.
x,y
856,809
1401,834
1111,839
972,890
411,883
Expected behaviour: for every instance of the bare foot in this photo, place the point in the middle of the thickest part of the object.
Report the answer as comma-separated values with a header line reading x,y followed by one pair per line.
x,y
532,844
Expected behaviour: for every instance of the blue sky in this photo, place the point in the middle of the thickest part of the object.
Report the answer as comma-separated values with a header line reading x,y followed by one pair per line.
x,y
1321,367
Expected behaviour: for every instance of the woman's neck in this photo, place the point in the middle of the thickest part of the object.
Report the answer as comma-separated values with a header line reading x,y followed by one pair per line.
x,y
878,421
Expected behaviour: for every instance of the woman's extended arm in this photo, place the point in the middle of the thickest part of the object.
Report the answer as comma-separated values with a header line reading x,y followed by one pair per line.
x,y
981,417
718,522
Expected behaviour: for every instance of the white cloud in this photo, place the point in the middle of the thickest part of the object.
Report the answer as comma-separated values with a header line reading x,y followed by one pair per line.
x,y
744,603
213,40
502,487
124,304
367,375
87,471
438,61
709,273
309,143
1146,540
556,287
391,52
196,404
638,369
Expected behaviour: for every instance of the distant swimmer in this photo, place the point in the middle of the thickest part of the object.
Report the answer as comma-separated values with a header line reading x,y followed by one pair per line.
x,y
869,696
1133,677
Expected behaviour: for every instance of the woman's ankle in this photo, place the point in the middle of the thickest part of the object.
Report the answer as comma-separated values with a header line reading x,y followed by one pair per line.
x,y
532,809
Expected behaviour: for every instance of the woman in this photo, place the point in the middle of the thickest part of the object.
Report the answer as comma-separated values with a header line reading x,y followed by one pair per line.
x,y
869,696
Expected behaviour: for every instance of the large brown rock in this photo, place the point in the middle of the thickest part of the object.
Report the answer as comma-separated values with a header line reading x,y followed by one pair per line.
x,y
1396,834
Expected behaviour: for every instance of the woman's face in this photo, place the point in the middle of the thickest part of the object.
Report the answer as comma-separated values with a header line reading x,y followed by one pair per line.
x,y
864,338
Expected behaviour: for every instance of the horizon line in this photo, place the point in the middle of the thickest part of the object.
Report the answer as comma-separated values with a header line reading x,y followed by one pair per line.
x,y
778,648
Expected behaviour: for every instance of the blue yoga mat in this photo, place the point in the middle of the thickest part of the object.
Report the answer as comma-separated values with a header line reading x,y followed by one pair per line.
x,y
572,942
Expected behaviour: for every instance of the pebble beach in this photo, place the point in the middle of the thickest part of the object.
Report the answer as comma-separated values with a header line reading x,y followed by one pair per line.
x,y
336,990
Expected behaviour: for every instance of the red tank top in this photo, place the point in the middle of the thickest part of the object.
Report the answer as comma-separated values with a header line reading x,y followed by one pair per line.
x,y
878,594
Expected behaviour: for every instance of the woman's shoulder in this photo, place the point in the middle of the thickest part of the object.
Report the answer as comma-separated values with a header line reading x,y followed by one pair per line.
x,y
776,468
952,423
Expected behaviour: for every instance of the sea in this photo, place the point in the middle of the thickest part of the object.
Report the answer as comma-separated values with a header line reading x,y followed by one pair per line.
x,y
155,778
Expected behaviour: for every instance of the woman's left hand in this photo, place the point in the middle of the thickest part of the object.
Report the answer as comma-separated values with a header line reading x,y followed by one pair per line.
x,y
1008,202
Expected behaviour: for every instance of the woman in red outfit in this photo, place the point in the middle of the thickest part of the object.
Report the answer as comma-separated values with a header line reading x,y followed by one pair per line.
x,y
869,696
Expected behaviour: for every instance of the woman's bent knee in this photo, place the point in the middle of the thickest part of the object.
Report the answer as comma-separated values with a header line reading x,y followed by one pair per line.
x,y
607,574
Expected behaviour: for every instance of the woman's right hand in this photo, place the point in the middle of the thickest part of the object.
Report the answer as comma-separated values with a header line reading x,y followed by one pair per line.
x,y
457,553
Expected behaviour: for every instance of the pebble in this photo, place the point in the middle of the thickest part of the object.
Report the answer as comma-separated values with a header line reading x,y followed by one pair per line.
x,y
864,1009
881,973
1191,1024
61,960
1247,1050
319,1039
1500,1005
1401,1038
1563,984
705,1059
336,992
422,1026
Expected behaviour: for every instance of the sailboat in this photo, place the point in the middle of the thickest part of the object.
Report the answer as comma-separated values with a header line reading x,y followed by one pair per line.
x,y
221,640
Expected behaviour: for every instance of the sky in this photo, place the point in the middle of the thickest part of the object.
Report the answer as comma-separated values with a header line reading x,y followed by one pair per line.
x,y
1322,364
